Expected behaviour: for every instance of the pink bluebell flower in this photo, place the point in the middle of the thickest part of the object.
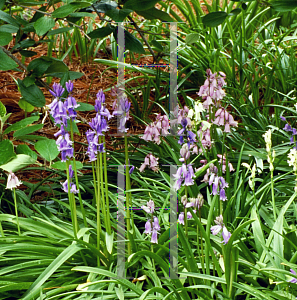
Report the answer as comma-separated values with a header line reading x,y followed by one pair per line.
x,y
149,208
152,225
212,88
181,217
150,161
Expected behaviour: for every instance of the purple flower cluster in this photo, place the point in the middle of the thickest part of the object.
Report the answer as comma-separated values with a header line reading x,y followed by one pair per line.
x,y
98,127
220,226
152,225
218,182
61,112
288,128
72,186
212,88
194,202
154,130
122,111
181,217
190,136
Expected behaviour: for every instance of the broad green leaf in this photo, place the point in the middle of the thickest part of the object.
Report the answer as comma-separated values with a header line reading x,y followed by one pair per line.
x,y
65,10
133,44
21,124
47,149
29,81
26,106
9,28
59,30
118,15
2,3
6,63
2,110
214,19
21,161
140,5
27,130
57,66
100,32
192,38
72,75
43,25
24,149
6,151
39,65
32,94
8,19
60,165
28,53
84,107
154,13
235,12
24,44
283,5
104,6
157,45
81,15
5,38
32,137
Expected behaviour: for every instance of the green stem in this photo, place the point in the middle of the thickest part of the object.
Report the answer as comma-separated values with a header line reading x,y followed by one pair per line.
x,y
94,180
71,202
98,200
16,213
202,250
272,196
185,212
106,188
1,230
76,179
129,214
101,183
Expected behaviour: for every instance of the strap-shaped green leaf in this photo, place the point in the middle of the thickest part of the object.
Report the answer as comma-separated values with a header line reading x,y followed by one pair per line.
x,y
284,5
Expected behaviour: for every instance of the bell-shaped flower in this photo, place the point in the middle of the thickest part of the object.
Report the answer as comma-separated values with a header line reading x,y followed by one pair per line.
x,y
58,90
220,226
12,181
149,208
